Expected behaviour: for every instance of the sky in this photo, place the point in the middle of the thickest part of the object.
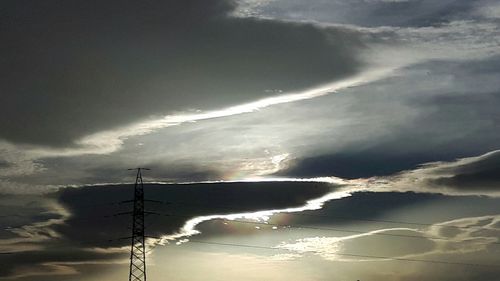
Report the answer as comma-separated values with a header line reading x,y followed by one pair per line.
x,y
293,140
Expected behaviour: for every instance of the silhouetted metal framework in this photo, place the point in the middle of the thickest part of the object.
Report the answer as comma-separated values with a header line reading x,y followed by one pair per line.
x,y
138,248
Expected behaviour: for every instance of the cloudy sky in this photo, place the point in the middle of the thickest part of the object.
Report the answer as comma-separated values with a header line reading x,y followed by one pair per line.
x,y
294,140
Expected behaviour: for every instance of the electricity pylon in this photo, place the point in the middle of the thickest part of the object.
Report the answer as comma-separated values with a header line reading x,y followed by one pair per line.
x,y
138,247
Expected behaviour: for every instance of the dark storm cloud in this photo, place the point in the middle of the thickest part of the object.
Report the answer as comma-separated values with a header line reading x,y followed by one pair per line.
x,y
99,171
178,171
92,223
368,207
88,227
377,161
483,174
450,111
45,262
19,210
70,68
187,201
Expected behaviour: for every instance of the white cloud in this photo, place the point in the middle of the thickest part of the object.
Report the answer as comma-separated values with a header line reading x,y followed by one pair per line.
x,y
467,240
427,178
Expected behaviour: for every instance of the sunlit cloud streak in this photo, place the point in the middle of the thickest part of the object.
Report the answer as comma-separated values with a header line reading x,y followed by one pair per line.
x,y
467,176
466,238
110,141
189,228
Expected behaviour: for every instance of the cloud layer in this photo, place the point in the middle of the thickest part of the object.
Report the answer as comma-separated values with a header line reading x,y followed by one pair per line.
x,y
474,175
84,229
72,69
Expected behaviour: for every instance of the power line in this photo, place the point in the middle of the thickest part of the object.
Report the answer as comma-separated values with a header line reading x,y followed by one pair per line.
x,y
296,226
310,215
300,227
232,207
336,229
134,245
352,231
394,222
350,255
317,227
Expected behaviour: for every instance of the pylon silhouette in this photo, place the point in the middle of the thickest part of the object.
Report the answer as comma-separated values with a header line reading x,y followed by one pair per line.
x,y
138,247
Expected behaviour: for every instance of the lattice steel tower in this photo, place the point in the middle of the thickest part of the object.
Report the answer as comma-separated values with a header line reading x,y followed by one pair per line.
x,y
138,247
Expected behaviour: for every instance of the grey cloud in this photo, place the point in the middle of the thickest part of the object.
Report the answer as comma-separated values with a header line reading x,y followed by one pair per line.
x,y
104,53
483,174
477,249
365,208
92,224
186,201
175,171
20,210
467,176
375,161
88,228
434,111
73,68
367,211
4,164
34,264
373,245
366,12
